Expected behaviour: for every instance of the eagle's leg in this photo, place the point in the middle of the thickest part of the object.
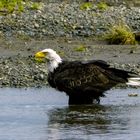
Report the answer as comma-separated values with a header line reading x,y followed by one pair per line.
x,y
98,100
80,99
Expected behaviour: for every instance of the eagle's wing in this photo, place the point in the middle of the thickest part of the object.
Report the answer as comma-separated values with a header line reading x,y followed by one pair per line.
x,y
91,76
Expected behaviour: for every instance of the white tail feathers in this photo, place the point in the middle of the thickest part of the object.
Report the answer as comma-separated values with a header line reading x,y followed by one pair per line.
x,y
133,81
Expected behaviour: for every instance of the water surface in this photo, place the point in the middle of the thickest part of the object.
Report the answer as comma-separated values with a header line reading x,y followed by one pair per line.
x,y
43,114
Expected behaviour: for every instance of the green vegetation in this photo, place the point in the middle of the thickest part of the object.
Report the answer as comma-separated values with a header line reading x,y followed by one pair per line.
x,y
102,6
9,6
36,6
80,48
86,6
120,34
61,53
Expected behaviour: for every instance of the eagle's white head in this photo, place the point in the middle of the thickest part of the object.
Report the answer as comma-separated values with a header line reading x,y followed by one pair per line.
x,y
53,59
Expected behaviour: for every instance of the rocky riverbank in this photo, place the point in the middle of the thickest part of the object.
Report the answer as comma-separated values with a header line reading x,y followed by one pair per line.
x,y
19,69
70,30
68,19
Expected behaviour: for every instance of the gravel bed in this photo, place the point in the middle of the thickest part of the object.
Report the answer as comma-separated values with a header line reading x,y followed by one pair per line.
x,y
64,18
20,71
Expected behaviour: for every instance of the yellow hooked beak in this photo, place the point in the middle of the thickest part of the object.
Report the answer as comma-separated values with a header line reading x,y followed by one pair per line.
x,y
39,56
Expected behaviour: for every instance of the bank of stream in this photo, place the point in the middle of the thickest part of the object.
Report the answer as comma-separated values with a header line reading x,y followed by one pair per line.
x,y
19,69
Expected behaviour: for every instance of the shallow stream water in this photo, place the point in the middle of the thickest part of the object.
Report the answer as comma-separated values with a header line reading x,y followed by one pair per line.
x,y
43,114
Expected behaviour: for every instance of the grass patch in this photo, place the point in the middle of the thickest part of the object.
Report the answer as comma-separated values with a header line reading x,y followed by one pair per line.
x,y
36,6
80,48
120,34
102,6
10,6
86,6
61,53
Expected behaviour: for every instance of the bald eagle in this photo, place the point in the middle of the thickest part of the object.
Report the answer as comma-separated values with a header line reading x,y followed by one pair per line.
x,y
86,81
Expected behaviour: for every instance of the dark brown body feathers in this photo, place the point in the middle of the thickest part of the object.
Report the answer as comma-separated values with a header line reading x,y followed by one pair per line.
x,y
85,81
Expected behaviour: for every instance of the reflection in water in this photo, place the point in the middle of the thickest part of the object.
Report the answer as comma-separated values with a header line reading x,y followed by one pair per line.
x,y
78,115
43,114
83,122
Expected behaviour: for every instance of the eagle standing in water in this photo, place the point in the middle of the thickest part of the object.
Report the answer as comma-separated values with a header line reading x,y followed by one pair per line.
x,y
83,82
